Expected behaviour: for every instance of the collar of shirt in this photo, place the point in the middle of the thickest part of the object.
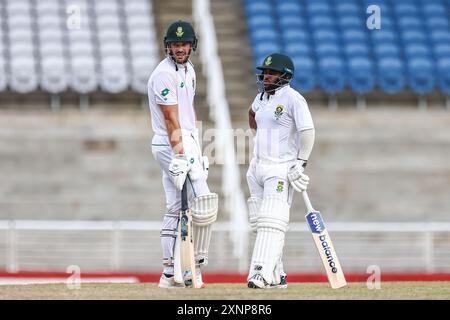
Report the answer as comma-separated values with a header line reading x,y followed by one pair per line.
x,y
277,92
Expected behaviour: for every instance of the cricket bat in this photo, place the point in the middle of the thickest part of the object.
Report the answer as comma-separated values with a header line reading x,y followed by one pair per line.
x,y
324,245
187,238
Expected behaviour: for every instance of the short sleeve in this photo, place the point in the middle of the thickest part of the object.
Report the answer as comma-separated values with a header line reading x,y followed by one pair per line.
x,y
301,114
163,89
255,105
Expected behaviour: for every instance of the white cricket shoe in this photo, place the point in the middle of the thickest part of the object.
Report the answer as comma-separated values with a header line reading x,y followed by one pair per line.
x,y
257,282
169,282
281,285
198,275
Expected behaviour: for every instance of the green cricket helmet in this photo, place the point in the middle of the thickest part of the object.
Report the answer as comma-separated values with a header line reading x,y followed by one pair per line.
x,y
180,31
275,62
278,62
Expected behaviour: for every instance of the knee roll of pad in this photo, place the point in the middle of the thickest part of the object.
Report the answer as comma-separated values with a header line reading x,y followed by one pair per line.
x,y
273,213
204,209
253,207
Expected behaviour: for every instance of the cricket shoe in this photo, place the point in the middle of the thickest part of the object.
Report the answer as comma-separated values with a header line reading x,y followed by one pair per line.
x,y
281,285
257,282
198,275
168,282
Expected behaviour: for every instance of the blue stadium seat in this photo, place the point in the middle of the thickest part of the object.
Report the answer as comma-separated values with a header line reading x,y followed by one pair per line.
x,y
348,9
261,21
325,36
413,36
292,22
421,75
255,8
443,70
434,10
263,49
331,75
405,9
390,75
305,78
408,23
361,75
294,35
263,35
321,22
387,50
383,36
300,49
327,50
442,50
288,8
438,24
353,50
317,8
354,36
351,22
417,50
440,36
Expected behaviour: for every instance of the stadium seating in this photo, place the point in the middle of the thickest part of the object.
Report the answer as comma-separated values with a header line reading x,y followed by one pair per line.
x,y
333,49
113,49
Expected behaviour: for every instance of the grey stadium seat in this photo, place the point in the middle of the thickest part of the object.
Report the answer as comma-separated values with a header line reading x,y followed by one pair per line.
x,y
53,75
142,68
114,76
23,78
83,75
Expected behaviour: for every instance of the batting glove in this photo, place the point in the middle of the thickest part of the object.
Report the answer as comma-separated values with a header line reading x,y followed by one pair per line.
x,y
297,178
178,169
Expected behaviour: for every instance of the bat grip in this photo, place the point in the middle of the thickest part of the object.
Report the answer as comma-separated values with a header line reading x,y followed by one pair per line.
x,y
184,201
308,204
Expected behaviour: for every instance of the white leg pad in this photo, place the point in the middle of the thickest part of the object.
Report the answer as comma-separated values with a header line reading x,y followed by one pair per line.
x,y
253,207
204,213
272,223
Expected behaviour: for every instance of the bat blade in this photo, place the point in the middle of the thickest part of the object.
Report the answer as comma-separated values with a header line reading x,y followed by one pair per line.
x,y
187,254
327,253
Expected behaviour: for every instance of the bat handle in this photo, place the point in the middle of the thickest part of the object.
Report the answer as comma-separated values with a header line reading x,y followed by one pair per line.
x,y
309,206
184,201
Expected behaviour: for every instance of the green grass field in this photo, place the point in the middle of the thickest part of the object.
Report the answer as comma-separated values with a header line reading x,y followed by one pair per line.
x,y
301,291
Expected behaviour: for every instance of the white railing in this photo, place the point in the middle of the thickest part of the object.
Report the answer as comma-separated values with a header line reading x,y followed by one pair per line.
x,y
115,246
234,201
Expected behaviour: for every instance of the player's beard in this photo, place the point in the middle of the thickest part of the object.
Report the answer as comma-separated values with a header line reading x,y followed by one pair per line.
x,y
175,57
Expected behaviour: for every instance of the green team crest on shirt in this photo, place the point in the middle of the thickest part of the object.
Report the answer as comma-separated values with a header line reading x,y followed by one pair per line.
x,y
280,186
182,85
279,111
165,92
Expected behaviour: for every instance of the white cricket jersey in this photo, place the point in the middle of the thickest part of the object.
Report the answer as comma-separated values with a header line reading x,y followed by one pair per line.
x,y
279,118
167,86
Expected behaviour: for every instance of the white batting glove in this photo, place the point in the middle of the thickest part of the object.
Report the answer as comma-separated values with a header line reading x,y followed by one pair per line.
x,y
297,178
178,169
205,164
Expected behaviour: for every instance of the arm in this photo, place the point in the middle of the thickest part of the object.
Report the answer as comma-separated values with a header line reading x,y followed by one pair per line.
x,y
306,138
251,119
170,113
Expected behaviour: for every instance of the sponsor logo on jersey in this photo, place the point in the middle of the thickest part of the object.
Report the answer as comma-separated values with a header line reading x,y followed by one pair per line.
x,y
182,85
165,92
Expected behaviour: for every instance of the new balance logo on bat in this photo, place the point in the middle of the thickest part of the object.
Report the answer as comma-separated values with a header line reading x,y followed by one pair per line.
x,y
315,222
317,226
328,253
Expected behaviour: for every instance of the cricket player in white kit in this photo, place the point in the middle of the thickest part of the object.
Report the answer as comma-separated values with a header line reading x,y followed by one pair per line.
x,y
283,143
176,147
